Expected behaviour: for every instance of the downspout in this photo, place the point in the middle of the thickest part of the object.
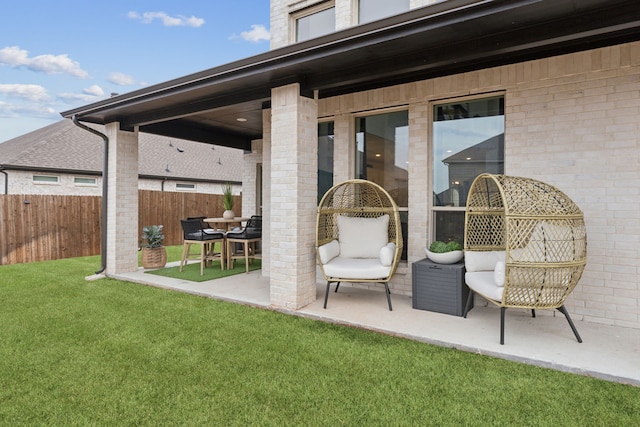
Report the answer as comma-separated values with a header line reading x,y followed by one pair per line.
x,y
105,188
6,180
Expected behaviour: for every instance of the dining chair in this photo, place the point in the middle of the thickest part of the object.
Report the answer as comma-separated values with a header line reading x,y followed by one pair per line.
x,y
249,238
195,234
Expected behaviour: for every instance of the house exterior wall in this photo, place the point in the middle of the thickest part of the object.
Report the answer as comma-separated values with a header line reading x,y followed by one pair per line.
x,y
251,164
572,121
21,182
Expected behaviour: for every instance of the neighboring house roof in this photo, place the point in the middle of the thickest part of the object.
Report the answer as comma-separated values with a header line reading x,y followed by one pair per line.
x,y
64,147
480,152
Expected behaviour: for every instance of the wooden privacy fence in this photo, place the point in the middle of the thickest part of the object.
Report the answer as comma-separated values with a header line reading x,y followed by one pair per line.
x,y
48,227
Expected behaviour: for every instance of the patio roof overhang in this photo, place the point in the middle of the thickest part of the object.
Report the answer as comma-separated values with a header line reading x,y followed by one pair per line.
x,y
441,39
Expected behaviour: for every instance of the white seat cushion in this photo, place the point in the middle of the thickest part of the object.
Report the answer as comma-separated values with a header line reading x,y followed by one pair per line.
x,y
356,268
483,283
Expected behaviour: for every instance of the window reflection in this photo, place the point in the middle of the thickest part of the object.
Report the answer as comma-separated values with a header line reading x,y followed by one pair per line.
x,y
316,24
382,156
468,139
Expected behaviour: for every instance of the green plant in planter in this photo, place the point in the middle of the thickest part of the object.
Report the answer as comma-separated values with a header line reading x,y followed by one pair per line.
x,y
439,247
152,236
227,197
154,255
227,201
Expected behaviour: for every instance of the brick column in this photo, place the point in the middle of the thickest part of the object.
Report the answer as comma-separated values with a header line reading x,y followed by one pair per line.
x,y
266,192
294,159
122,204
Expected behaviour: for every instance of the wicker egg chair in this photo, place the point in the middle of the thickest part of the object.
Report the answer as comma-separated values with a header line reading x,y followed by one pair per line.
x,y
360,200
541,232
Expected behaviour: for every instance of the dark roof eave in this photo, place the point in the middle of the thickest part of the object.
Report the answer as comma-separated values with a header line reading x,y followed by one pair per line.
x,y
446,37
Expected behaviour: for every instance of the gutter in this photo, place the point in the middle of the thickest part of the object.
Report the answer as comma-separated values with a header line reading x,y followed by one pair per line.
x,y
6,180
105,190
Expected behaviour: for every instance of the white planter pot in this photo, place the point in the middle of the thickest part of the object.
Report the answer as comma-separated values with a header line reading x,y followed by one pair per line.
x,y
446,257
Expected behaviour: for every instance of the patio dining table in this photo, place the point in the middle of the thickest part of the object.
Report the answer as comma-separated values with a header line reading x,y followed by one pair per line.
x,y
225,223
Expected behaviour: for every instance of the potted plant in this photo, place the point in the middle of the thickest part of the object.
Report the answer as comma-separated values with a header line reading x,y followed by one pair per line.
x,y
445,252
227,202
154,254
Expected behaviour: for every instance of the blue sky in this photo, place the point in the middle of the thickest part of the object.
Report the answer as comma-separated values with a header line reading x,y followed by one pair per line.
x,y
57,55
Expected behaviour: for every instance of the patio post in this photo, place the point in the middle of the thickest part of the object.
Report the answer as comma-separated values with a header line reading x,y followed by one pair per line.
x,y
292,208
122,204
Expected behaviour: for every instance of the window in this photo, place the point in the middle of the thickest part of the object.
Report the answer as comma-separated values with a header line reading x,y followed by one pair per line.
x,y
372,10
468,139
46,179
382,156
325,158
185,187
316,24
85,181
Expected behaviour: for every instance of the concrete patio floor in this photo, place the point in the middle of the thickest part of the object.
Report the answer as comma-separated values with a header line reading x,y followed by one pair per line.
x,y
607,352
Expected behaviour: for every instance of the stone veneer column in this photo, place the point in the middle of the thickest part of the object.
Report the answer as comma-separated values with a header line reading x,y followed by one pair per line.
x,y
294,160
122,204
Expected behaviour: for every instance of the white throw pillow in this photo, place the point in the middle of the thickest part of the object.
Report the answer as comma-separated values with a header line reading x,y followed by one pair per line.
x,y
328,251
387,254
499,273
362,237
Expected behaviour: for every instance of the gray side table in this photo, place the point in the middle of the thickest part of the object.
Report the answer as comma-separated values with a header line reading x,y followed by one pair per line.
x,y
439,287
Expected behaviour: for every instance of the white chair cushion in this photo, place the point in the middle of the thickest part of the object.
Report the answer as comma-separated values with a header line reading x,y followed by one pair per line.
x,y
499,273
482,260
483,283
328,251
362,237
356,268
387,254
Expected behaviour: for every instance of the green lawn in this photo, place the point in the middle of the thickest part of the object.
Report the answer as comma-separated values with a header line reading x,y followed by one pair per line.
x,y
107,352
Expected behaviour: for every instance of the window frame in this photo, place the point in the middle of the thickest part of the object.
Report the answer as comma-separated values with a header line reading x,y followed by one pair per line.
x,y
94,182
433,104
404,210
182,186
305,12
36,181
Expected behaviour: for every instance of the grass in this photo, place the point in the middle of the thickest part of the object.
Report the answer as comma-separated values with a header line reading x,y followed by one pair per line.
x,y
113,353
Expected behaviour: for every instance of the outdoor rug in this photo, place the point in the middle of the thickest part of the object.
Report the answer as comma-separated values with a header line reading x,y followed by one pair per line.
x,y
191,272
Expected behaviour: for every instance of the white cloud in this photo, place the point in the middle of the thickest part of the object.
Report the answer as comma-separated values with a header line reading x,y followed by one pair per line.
x,y
257,34
15,57
167,21
121,79
75,98
34,110
35,93
93,90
